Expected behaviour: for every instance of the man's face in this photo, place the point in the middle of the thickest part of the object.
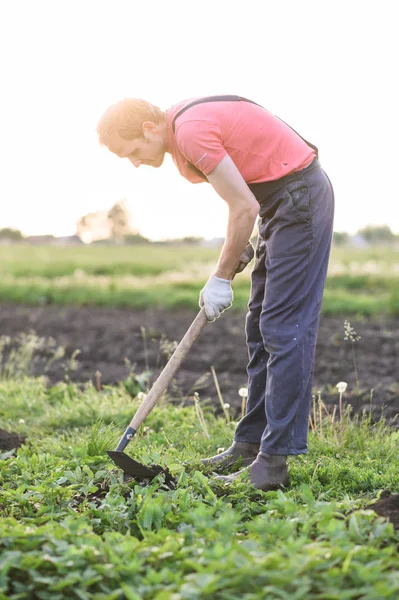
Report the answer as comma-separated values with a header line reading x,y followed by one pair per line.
x,y
146,150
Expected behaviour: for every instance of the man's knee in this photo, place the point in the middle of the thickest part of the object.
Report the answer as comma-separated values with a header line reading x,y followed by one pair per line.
x,y
279,337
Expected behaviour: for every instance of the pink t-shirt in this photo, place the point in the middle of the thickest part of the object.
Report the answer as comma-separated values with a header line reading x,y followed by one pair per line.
x,y
262,147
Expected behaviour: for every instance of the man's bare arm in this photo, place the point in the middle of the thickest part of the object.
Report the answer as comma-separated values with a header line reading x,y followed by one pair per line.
x,y
228,182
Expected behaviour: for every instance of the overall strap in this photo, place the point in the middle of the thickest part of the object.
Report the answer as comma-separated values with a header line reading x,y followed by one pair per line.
x,y
209,99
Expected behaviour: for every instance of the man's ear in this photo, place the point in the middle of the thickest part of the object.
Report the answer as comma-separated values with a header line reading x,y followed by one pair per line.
x,y
149,127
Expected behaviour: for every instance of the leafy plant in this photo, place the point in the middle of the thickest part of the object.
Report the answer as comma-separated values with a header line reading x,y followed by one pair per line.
x,y
71,526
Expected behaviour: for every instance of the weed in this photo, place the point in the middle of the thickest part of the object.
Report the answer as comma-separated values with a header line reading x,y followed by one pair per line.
x,y
18,356
167,347
144,338
71,365
136,383
351,335
225,405
200,415
243,393
341,387
101,438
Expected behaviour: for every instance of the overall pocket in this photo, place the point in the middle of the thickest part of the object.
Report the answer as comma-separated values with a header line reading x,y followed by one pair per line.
x,y
287,229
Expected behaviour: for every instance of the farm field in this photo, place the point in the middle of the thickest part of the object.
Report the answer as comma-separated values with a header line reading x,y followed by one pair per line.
x,y
84,333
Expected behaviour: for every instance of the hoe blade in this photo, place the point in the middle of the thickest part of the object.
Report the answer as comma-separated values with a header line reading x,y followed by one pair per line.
x,y
135,469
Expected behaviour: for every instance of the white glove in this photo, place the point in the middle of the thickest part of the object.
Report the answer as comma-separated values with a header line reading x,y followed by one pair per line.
x,y
216,296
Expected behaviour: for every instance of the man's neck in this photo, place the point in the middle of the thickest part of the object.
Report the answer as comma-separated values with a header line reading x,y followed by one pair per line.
x,y
164,131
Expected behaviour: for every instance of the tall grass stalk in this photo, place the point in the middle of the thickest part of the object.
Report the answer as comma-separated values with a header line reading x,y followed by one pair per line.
x,y
351,335
371,400
243,393
312,422
223,404
317,421
98,376
341,387
200,415
331,418
144,337
320,414
340,416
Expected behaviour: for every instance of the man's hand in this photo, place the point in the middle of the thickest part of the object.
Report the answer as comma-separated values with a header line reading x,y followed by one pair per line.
x,y
246,256
216,296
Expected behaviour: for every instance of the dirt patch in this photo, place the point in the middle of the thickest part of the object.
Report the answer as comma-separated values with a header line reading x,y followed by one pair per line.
x,y
9,441
107,337
100,494
95,498
388,506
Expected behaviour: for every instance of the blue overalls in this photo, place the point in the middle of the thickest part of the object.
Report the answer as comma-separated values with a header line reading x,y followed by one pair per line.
x,y
293,248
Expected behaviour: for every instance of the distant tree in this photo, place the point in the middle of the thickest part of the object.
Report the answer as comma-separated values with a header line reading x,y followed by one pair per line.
x,y
112,225
118,219
93,226
340,238
375,234
11,234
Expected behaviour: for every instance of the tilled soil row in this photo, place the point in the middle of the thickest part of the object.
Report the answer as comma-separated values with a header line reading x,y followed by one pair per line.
x,y
114,341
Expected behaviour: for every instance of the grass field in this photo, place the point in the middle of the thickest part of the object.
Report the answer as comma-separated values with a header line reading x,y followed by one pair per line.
x,y
71,527
359,281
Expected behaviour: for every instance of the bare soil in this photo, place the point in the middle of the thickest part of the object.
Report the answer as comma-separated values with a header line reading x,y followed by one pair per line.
x,y
10,440
107,338
388,506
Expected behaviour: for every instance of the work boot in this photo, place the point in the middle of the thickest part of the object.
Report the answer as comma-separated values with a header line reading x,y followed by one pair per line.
x,y
245,451
267,472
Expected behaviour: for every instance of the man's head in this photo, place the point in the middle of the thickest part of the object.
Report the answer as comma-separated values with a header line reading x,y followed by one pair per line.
x,y
135,129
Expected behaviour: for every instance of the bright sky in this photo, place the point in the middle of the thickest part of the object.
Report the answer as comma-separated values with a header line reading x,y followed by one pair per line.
x,y
329,68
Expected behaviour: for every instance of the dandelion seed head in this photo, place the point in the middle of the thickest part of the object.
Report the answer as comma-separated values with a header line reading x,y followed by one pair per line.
x,y
341,386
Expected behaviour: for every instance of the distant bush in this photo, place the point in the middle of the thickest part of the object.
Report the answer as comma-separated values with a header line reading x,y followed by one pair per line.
x,y
340,238
10,234
375,234
135,238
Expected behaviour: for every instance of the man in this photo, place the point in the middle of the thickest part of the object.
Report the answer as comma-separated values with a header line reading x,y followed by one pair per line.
x,y
263,169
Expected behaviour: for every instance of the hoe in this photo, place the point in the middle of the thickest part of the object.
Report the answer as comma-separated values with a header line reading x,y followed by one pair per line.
x,y
130,466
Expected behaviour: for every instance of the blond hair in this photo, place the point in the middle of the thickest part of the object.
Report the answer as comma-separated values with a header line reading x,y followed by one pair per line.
x,y
126,118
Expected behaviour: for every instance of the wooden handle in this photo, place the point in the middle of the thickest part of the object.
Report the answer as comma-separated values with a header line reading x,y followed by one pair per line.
x,y
174,363
170,369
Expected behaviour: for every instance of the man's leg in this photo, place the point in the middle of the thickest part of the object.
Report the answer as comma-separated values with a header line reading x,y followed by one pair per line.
x,y
252,425
298,240
297,232
246,443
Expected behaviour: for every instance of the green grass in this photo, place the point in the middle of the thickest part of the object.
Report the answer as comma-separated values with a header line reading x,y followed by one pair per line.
x,y
70,527
51,261
359,281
